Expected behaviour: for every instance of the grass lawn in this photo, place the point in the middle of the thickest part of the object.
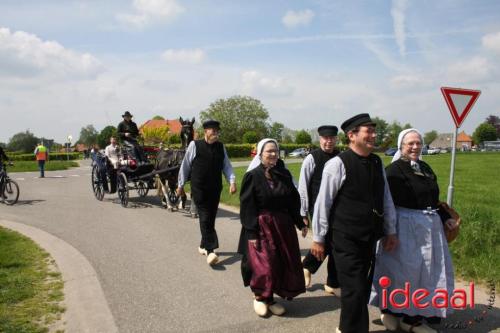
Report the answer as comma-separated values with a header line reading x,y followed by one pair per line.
x,y
476,251
30,292
24,166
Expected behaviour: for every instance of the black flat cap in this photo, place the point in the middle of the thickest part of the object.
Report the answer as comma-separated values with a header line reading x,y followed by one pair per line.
x,y
127,114
357,120
328,130
211,124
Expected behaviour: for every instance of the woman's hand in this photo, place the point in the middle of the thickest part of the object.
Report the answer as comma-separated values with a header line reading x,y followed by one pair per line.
x,y
254,243
390,242
451,224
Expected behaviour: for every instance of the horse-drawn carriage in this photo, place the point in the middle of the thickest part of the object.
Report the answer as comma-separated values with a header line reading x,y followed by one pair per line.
x,y
161,174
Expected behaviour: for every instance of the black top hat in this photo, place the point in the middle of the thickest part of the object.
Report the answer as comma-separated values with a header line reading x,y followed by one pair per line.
x,y
357,120
127,114
328,130
211,124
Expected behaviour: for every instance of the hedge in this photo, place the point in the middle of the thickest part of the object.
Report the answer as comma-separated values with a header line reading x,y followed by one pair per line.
x,y
52,156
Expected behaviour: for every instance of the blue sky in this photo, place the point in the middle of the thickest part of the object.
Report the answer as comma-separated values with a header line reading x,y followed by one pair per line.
x,y
66,64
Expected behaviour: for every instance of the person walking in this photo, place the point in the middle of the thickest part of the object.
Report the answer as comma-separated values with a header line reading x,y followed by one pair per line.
x,y
41,155
309,182
354,208
422,258
269,213
205,161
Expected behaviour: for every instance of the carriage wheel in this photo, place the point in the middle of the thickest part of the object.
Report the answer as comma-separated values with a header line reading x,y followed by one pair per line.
x,y
97,185
122,189
142,188
10,192
173,197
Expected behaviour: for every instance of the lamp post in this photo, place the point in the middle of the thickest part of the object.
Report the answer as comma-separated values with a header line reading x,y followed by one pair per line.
x,y
69,145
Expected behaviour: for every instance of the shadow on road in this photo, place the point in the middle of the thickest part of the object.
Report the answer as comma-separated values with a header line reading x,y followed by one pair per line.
x,y
303,307
233,257
28,202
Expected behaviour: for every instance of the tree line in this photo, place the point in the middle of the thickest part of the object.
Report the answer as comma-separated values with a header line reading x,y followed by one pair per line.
x,y
245,120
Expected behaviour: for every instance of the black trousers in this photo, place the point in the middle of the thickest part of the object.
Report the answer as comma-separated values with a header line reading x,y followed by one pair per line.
x,y
312,264
207,212
136,150
353,259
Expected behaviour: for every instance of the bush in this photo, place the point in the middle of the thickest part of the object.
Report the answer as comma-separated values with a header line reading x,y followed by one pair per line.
x,y
250,137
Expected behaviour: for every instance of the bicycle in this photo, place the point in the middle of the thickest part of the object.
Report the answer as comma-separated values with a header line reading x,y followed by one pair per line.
x,y
9,190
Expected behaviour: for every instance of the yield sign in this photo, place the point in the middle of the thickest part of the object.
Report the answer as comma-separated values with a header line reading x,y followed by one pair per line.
x,y
460,102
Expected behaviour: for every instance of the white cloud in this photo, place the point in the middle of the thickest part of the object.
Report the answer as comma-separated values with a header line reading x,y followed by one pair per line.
x,y
410,81
254,82
474,69
194,56
25,55
398,16
492,41
150,11
293,19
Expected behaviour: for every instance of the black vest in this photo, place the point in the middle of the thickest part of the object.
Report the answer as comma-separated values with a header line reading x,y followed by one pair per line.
x,y
206,168
359,205
320,159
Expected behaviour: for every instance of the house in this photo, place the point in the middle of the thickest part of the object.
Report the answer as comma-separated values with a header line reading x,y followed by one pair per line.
x,y
445,140
80,147
464,142
174,126
442,141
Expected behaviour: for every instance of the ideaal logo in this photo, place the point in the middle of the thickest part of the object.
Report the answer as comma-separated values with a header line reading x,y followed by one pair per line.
x,y
440,299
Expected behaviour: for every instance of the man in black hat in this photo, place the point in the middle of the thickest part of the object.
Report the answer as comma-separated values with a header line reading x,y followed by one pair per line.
x,y
205,161
309,182
128,132
354,208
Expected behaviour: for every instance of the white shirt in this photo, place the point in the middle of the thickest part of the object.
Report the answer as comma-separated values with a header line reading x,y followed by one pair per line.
x,y
333,178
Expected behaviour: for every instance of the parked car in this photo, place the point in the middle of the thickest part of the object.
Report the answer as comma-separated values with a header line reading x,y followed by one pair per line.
x,y
433,151
299,152
391,151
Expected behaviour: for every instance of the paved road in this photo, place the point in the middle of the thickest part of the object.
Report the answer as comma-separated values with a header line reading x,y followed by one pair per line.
x,y
149,268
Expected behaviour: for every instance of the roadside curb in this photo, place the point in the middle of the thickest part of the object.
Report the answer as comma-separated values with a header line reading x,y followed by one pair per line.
x,y
86,307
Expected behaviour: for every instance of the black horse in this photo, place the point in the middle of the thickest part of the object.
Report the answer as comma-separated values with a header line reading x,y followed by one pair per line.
x,y
171,159
187,132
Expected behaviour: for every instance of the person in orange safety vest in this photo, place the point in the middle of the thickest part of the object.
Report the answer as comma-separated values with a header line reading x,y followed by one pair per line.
x,y
42,155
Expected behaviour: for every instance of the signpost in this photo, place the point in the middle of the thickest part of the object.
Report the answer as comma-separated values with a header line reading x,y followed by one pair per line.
x,y
69,145
460,102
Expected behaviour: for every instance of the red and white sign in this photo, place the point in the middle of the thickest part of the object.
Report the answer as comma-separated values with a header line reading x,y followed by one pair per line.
x,y
460,102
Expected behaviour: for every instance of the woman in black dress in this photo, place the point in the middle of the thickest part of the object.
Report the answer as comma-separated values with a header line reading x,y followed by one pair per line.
x,y
269,210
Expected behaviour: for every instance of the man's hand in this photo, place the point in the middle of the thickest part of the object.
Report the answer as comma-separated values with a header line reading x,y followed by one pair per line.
x,y
305,219
254,243
180,191
318,250
232,188
390,242
127,134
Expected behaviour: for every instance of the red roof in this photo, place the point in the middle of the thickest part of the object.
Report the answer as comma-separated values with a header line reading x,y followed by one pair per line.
x,y
174,126
462,137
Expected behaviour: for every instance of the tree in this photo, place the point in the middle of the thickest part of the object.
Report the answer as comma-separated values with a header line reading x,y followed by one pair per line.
x,y
158,118
3,145
393,131
303,137
430,136
381,129
155,135
88,135
250,137
495,121
484,132
276,131
23,142
104,136
237,115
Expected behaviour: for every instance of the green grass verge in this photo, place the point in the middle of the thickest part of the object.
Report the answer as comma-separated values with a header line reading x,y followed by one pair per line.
x,y
476,251
30,291
25,166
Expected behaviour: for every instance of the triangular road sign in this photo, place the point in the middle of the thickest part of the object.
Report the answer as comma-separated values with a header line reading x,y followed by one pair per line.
x,y
460,102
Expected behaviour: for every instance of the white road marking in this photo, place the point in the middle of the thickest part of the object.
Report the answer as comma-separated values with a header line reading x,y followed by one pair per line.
x,y
19,178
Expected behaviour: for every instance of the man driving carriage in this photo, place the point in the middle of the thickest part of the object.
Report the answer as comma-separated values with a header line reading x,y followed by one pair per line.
x,y
128,132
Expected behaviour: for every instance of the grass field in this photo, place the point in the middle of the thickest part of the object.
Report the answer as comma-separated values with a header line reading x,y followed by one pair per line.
x,y
24,166
476,252
30,292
